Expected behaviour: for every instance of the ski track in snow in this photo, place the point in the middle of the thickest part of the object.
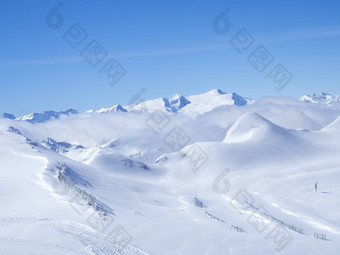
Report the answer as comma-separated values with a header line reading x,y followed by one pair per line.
x,y
91,240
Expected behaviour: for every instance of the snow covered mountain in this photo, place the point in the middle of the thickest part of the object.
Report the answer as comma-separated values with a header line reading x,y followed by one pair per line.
x,y
252,126
176,103
321,98
204,102
161,104
115,108
45,116
196,104
210,174
213,99
7,116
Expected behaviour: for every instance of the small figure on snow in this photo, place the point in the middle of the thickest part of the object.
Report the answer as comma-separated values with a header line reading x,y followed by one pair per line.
x,y
316,187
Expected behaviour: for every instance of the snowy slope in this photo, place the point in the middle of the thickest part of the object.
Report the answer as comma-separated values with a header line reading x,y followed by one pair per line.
x,y
252,126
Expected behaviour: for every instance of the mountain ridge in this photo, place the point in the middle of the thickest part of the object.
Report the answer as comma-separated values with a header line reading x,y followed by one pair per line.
x,y
199,103
321,98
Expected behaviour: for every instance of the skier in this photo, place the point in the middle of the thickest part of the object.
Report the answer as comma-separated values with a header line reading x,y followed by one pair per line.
x,y
316,187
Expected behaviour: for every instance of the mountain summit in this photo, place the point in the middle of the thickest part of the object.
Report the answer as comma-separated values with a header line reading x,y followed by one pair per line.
x,y
196,103
177,102
214,98
321,98
6,115
115,108
45,116
252,126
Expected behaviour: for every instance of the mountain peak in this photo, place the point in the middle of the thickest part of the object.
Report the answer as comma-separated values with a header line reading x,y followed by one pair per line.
x,y
6,115
238,100
46,115
321,98
178,102
115,108
212,99
216,92
252,126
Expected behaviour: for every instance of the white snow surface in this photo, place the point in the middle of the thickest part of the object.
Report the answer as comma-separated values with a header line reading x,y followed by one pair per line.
x,y
115,183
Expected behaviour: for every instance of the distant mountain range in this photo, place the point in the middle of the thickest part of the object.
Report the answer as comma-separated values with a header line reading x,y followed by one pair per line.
x,y
196,104
40,117
321,98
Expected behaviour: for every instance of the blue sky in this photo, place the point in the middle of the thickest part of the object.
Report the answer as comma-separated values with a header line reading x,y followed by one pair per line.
x,y
166,47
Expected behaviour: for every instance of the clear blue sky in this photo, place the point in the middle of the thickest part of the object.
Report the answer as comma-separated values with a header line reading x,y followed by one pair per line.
x,y
166,47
